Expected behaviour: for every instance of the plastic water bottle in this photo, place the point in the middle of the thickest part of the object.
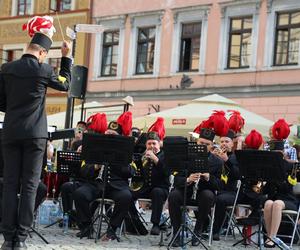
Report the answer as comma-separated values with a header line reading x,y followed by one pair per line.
x,y
280,243
65,223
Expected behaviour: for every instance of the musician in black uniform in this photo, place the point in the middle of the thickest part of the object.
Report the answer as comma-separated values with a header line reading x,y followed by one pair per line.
x,y
155,178
229,177
279,195
23,87
205,189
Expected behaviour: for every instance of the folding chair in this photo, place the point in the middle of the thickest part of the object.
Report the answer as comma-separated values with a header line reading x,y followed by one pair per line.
x,y
232,222
292,217
211,218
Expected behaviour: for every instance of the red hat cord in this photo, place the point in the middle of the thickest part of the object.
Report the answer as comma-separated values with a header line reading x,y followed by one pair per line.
x,y
40,24
236,121
158,127
97,123
280,130
254,139
125,120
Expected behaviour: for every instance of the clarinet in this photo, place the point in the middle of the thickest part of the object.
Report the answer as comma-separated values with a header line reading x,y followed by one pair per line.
x,y
100,174
195,190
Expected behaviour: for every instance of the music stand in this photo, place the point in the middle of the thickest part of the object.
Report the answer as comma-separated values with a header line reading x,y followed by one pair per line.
x,y
111,151
262,166
185,158
68,164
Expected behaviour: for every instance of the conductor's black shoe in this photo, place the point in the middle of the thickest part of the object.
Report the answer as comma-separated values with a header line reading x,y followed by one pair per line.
x,y
155,230
216,237
20,245
7,245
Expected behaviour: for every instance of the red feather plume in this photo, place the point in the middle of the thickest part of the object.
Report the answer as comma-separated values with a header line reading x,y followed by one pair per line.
x,y
158,127
280,130
236,121
217,122
199,127
97,123
125,120
254,139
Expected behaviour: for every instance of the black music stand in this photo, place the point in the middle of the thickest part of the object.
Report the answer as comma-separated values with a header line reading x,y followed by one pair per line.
x,y
68,164
111,151
185,158
261,166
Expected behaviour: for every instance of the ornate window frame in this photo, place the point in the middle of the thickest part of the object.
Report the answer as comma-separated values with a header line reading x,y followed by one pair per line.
x,y
112,23
229,10
138,20
274,6
14,7
189,15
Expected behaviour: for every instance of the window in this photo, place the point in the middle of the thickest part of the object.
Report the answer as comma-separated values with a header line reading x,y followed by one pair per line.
x,y
145,50
110,53
55,63
190,47
60,5
11,55
239,50
23,7
287,39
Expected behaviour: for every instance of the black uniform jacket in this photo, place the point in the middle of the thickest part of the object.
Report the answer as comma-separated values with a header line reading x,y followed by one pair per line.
x,y
281,191
215,167
155,175
231,168
23,86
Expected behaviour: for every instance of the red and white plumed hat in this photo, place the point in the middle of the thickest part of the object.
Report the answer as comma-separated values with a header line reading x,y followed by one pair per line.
x,y
41,30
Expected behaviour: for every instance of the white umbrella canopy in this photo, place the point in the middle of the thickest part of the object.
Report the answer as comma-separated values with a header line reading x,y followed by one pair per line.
x,y
58,119
183,119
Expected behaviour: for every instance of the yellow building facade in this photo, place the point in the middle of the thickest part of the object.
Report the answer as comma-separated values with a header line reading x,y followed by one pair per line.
x,y
13,40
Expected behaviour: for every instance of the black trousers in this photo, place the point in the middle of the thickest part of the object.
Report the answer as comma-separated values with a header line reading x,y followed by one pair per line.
x,y
205,200
41,194
122,199
67,190
223,200
158,198
83,196
23,160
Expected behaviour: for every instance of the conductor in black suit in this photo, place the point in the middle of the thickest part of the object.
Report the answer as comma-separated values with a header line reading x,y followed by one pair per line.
x,y
23,87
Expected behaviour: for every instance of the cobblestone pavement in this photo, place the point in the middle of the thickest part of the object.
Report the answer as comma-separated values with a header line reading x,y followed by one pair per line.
x,y
59,240
68,241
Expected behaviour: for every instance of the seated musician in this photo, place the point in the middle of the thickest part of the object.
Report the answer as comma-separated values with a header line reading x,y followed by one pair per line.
x,y
86,187
154,174
230,169
229,177
251,191
280,195
201,187
81,128
117,187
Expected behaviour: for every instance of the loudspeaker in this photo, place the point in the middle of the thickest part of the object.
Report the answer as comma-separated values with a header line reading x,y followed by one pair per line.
x,y
79,81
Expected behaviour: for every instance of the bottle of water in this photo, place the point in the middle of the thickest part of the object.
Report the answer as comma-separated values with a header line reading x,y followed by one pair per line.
x,y
65,223
280,243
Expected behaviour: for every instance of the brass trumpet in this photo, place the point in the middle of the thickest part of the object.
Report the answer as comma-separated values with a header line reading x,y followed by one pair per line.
x,y
143,167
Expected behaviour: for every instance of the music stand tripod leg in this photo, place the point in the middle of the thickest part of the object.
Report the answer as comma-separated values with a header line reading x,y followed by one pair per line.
x,y
102,216
38,234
